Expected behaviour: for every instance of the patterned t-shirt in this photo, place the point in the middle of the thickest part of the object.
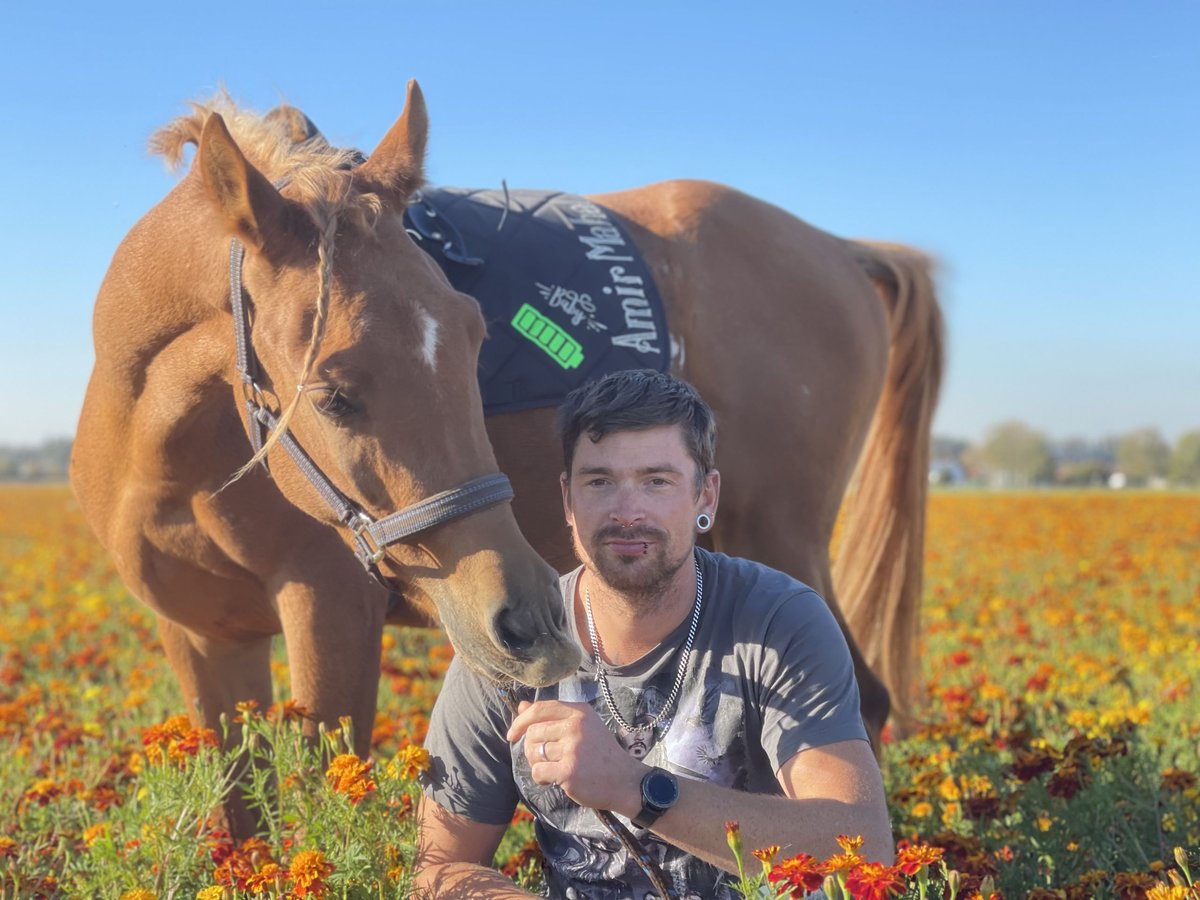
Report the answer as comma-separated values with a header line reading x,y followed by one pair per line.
x,y
769,675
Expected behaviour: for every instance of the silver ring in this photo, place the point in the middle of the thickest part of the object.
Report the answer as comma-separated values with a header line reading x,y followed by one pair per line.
x,y
542,752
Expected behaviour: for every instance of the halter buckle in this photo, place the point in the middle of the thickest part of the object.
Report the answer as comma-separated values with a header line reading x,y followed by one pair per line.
x,y
252,393
360,525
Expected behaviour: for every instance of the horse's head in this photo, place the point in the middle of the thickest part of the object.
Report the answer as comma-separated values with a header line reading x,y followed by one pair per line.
x,y
368,357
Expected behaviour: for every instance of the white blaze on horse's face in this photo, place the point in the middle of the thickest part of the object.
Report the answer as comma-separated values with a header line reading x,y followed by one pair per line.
x,y
429,339
386,353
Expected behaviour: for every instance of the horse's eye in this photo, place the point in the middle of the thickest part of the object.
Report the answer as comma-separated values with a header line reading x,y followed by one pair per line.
x,y
332,403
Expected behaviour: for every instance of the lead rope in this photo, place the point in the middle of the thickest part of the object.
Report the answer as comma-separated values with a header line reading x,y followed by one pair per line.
x,y
615,827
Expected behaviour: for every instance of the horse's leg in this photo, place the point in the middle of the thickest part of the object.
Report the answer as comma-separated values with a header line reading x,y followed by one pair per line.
x,y
333,625
214,675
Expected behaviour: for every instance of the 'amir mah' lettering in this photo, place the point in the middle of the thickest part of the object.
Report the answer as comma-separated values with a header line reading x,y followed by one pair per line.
x,y
642,335
602,237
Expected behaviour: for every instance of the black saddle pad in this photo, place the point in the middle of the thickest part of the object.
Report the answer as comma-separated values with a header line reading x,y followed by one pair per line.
x,y
566,295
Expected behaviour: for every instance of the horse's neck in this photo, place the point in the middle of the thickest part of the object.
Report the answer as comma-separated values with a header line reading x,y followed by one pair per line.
x,y
163,336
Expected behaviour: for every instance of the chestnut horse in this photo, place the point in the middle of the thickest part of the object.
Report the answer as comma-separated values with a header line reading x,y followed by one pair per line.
x,y
817,354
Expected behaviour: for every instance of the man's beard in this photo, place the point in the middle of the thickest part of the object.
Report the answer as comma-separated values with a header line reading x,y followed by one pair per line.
x,y
645,578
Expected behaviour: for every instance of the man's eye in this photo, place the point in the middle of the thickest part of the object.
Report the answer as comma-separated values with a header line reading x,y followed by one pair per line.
x,y
332,403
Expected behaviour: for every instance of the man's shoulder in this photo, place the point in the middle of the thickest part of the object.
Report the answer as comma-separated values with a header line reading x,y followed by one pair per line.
x,y
753,582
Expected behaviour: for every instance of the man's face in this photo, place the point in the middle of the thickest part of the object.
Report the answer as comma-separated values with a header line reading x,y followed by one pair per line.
x,y
630,499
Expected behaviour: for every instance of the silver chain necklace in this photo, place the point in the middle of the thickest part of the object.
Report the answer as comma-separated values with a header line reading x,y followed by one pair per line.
x,y
664,714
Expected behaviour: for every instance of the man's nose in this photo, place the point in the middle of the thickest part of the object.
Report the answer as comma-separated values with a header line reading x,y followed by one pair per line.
x,y
628,509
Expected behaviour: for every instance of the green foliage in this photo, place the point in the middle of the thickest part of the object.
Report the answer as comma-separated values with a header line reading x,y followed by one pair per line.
x,y
1143,455
1017,455
1184,467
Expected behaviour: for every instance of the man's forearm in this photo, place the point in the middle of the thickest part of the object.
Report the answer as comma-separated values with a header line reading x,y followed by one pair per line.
x,y
466,881
696,823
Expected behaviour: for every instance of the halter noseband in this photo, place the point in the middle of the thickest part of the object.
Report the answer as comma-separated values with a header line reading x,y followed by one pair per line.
x,y
372,536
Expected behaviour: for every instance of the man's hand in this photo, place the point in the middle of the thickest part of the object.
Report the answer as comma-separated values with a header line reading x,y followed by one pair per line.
x,y
568,744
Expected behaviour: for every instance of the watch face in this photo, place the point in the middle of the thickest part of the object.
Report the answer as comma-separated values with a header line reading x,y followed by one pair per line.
x,y
660,789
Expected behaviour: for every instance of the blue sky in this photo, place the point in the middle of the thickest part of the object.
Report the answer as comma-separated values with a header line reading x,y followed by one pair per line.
x,y
1048,154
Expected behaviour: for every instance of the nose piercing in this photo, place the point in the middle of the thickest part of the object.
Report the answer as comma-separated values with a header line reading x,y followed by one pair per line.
x,y
704,522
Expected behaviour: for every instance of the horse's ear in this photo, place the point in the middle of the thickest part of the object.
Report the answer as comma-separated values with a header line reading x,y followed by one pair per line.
x,y
250,205
397,166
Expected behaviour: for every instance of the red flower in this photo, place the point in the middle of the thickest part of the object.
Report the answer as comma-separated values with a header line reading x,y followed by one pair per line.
x,y
911,859
799,874
874,881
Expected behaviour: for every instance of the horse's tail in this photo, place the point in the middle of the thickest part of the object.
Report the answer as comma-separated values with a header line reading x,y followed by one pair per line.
x,y
879,566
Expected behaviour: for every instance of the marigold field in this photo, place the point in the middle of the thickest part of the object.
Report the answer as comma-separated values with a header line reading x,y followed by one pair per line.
x,y
1056,756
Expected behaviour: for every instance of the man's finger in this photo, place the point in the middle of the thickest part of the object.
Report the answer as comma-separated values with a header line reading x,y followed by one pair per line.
x,y
542,711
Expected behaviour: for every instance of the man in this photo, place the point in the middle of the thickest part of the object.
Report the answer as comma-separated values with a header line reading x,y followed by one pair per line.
x,y
714,688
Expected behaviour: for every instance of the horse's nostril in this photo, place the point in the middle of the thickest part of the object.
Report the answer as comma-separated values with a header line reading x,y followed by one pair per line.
x,y
511,636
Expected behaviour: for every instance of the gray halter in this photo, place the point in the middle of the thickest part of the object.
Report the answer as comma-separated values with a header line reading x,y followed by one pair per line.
x,y
371,536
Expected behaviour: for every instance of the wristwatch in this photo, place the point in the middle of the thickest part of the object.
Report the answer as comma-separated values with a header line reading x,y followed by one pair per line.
x,y
660,790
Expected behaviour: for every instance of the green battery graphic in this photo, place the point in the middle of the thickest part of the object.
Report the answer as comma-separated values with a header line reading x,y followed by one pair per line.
x,y
561,347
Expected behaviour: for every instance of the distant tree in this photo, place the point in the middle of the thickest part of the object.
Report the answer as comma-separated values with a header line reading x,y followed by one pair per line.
x,y
1017,455
1184,467
1142,455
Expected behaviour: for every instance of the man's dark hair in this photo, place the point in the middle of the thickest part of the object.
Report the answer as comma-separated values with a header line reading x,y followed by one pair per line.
x,y
634,399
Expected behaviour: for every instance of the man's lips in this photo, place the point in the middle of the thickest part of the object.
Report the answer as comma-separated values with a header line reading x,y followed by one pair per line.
x,y
630,548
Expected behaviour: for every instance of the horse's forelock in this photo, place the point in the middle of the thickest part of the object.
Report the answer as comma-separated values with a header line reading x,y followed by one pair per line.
x,y
320,175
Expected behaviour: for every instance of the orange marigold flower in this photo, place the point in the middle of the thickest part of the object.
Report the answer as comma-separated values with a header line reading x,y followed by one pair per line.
x,y
247,710
8,848
43,791
798,873
912,858
308,872
874,881
411,762
268,878
349,775
1129,885
287,711
139,894
1177,780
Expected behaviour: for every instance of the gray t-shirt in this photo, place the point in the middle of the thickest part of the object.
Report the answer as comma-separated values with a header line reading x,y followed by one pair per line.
x,y
769,675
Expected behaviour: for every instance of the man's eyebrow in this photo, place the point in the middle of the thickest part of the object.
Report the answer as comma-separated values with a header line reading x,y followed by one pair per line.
x,y
644,470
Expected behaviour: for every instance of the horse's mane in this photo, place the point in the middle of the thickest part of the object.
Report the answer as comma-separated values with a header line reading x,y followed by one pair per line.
x,y
319,175
316,174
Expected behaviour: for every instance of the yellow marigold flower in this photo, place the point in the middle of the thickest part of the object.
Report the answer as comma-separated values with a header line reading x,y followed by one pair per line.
x,y
922,809
949,789
215,892
1169,822
1169,892
93,833
850,844
8,848
139,894
767,854
843,862
308,872
410,762
1044,823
